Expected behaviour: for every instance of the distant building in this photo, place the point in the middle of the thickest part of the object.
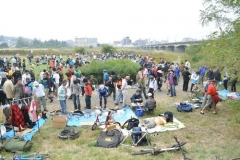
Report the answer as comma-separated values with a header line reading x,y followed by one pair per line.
x,y
86,42
188,39
141,42
117,42
126,41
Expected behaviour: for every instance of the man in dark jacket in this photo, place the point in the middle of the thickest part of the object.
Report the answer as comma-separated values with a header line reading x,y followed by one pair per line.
x,y
17,74
217,77
210,74
186,78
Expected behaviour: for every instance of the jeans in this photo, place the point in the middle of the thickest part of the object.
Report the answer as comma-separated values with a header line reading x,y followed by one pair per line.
x,y
63,105
42,101
120,96
233,87
76,101
225,84
143,90
172,90
88,102
185,85
105,100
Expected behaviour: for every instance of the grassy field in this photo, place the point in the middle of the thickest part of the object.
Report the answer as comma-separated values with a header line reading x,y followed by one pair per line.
x,y
206,135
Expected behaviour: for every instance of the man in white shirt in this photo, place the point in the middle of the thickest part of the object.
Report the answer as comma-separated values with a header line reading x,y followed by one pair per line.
x,y
152,85
187,64
41,74
56,78
25,76
14,60
124,90
38,92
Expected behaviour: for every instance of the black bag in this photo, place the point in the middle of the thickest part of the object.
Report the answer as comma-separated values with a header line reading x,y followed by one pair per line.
x,y
184,107
133,122
169,116
68,133
137,135
109,139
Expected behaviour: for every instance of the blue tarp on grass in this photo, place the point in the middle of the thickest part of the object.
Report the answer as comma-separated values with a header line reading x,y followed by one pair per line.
x,y
27,136
122,116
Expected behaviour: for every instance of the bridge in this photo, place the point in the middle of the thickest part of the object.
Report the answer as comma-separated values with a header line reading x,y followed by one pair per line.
x,y
172,46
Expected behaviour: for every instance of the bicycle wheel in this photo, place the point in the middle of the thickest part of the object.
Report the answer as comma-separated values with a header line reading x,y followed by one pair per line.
x,y
94,126
94,81
142,152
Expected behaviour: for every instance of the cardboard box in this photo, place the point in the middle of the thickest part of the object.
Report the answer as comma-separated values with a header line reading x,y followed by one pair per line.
x,y
59,122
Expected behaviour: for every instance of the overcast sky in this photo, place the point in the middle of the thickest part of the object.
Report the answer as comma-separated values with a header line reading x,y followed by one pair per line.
x,y
107,20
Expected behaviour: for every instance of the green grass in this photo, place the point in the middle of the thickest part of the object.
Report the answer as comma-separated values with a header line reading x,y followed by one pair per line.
x,y
206,135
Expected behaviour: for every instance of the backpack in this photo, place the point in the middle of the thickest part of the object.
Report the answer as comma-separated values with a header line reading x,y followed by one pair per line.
x,y
109,139
17,144
68,133
184,107
138,136
169,116
133,122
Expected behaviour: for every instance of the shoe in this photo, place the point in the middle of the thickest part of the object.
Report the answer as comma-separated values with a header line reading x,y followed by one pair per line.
x,y
214,112
105,107
51,101
201,112
45,110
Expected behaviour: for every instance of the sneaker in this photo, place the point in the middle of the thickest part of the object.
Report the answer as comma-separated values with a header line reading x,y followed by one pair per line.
x,y
214,112
201,112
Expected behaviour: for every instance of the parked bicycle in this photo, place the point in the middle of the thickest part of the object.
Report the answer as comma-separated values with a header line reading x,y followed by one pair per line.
x,y
36,156
156,151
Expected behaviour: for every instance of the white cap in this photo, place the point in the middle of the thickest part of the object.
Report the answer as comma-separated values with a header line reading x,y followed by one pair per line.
x,y
149,94
35,83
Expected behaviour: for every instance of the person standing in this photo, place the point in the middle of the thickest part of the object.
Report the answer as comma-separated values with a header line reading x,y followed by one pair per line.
x,y
18,90
202,71
75,92
172,79
152,85
102,93
56,78
217,77
210,74
38,92
105,77
17,74
62,96
194,78
225,78
186,79
119,86
24,77
8,88
47,86
211,92
124,90
88,93
112,85
81,82
234,82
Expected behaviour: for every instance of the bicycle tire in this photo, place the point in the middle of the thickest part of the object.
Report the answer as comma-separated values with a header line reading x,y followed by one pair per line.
x,y
142,152
94,126
176,145
118,124
94,81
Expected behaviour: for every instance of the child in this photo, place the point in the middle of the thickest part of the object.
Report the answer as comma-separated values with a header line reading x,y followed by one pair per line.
x,y
102,93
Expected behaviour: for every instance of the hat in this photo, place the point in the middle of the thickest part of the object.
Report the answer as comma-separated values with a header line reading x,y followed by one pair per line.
x,y
17,69
104,70
149,94
35,83
151,76
112,73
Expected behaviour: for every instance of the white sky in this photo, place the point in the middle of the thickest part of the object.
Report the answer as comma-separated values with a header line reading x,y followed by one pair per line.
x,y
107,20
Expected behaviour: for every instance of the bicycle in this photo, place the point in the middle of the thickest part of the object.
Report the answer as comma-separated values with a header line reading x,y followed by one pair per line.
x,y
93,80
36,156
156,151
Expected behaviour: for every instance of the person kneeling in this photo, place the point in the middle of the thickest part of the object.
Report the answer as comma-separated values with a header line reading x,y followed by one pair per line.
x,y
150,103
137,97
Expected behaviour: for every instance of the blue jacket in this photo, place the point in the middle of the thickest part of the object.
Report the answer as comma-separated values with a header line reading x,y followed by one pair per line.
x,y
105,76
135,96
45,83
102,92
202,71
177,72
194,78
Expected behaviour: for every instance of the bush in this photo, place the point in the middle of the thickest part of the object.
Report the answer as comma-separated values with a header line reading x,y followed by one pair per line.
x,y
122,67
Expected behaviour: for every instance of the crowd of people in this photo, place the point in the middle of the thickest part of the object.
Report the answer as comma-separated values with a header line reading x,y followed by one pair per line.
x,y
18,82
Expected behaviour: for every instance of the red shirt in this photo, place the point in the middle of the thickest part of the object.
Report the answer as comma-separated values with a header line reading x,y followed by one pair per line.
x,y
212,90
88,90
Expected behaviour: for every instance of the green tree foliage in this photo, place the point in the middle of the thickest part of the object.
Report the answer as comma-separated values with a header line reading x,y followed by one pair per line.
x,y
108,49
35,43
122,67
80,50
3,45
222,47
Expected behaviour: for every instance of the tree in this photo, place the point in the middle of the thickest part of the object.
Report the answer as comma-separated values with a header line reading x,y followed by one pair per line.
x,y
108,49
80,50
21,42
3,45
90,46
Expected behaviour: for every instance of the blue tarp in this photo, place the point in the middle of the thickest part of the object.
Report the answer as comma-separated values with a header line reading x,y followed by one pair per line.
x,y
121,117
29,135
